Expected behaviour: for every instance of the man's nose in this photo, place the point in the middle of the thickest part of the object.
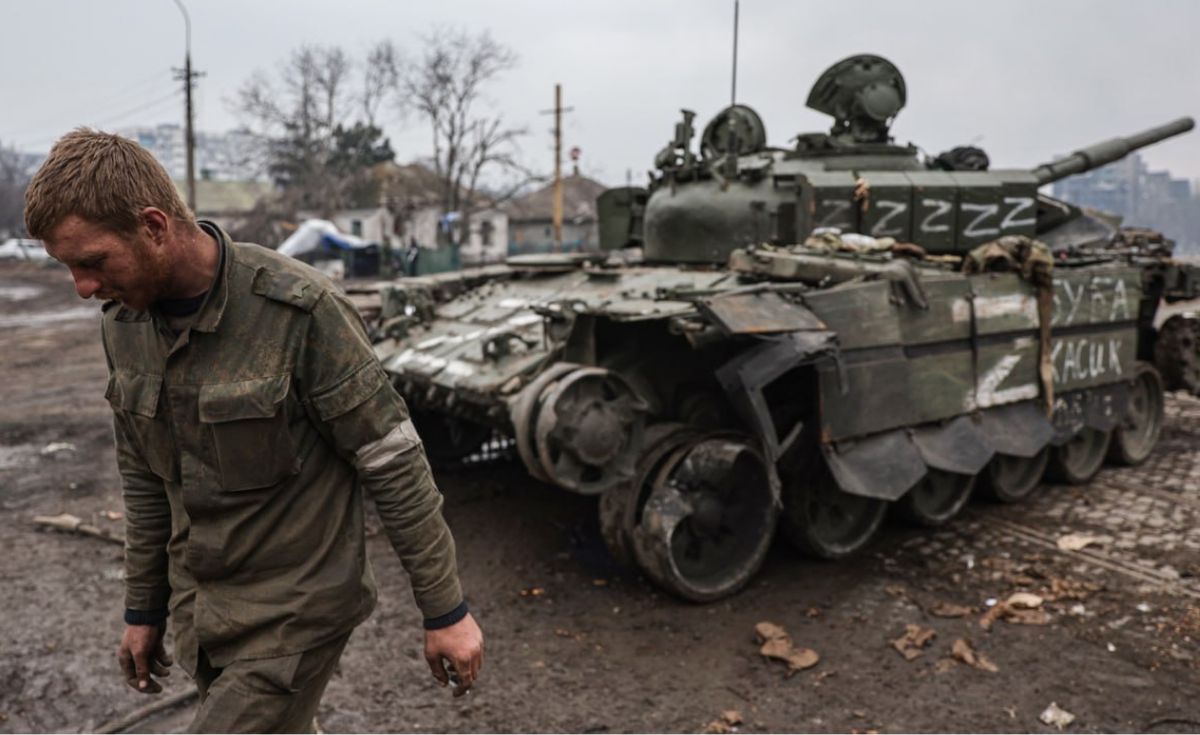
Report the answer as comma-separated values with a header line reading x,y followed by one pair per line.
x,y
86,286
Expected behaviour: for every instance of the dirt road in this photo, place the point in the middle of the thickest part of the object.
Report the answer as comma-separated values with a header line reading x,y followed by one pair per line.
x,y
576,644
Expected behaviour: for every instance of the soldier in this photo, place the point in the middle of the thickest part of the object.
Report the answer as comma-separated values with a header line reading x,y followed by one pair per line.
x,y
250,414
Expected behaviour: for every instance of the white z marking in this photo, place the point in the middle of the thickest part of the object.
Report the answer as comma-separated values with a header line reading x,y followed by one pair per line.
x,y
896,208
833,217
1010,220
941,207
975,229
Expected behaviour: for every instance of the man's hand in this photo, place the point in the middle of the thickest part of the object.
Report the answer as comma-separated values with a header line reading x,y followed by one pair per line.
x,y
141,654
461,645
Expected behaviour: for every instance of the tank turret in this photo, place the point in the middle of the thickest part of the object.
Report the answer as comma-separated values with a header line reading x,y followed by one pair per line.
x,y
741,191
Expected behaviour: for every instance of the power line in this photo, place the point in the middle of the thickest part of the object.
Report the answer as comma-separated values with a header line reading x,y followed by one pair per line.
x,y
174,94
151,105
132,91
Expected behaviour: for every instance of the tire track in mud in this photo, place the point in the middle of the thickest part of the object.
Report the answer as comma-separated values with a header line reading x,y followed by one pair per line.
x,y
1168,583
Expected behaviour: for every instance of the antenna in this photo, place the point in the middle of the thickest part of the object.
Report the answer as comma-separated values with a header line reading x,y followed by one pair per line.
x,y
733,91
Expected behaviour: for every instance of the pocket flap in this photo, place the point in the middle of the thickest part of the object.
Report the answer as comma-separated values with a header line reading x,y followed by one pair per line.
x,y
244,399
134,392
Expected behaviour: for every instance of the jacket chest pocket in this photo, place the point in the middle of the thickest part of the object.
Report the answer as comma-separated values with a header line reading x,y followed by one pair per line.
x,y
249,427
135,399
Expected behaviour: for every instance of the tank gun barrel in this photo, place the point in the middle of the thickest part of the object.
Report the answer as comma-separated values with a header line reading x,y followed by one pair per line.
x,y
1095,156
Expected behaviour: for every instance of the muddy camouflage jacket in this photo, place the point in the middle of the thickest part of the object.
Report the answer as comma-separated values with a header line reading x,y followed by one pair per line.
x,y
244,445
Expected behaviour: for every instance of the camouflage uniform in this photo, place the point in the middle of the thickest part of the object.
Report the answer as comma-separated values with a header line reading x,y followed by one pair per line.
x,y
244,443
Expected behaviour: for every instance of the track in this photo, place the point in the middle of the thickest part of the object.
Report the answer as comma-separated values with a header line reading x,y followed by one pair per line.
x,y
1168,583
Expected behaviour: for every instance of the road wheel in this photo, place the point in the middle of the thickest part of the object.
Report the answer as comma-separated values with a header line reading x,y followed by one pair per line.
x,y
937,498
1135,437
620,507
1177,353
821,519
708,520
1011,479
1078,461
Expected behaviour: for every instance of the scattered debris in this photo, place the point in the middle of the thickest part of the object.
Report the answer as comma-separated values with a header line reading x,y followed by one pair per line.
x,y
1111,648
821,676
1077,541
915,639
1069,589
896,590
1169,721
1056,716
943,665
1024,601
533,592
75,524
777,644
963,651
726,723
1021,608
1143,607
599,582
112,515
56,447
129,720
949,610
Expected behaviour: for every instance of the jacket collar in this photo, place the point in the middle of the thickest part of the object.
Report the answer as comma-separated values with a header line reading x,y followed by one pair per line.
x,y
213,307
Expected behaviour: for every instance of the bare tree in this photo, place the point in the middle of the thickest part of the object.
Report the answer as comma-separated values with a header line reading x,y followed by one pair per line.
x,y
14,176
381,77
447,86
311,119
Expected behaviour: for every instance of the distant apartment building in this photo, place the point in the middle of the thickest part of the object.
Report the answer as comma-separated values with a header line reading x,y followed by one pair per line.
x,y
1141,197
229,156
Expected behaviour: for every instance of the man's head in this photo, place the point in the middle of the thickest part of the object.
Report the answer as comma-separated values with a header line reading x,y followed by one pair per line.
x,y
108,210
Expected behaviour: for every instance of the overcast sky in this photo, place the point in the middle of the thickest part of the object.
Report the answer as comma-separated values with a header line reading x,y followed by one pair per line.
x,y
1024,80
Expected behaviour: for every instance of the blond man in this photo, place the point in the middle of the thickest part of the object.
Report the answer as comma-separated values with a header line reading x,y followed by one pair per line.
x,y
250,416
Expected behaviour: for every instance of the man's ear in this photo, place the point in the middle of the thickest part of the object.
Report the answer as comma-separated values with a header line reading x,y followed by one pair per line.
x,y
157,224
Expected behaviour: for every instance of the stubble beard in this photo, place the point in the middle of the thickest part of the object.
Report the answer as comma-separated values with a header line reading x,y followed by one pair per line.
x,y
153,279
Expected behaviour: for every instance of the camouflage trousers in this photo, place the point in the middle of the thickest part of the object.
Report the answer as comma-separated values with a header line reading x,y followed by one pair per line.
x,y
265,695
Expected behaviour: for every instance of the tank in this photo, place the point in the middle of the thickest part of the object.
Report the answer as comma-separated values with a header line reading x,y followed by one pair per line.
x,y
802,338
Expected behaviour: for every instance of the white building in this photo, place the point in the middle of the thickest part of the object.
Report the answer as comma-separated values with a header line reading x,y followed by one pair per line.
x,y
230,156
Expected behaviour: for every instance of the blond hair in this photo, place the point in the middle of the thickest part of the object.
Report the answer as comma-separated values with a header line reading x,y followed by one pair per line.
x,y
103,178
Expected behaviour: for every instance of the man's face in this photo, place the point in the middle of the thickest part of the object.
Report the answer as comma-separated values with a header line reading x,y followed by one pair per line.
x,y
106,265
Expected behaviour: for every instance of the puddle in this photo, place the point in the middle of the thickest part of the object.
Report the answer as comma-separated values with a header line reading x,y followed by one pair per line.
x,y
18,293
42,318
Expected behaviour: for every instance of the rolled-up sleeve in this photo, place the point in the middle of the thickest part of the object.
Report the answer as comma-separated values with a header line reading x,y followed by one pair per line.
x,y
360,411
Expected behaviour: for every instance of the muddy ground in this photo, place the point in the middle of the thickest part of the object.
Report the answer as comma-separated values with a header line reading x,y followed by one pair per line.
x,y
577,644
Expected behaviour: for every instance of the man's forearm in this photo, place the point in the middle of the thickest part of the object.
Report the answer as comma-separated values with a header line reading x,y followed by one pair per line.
x,y
147,531
396,474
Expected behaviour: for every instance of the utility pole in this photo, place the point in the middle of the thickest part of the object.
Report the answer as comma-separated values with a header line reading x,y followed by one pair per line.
x,y
557,167
558,186
188,77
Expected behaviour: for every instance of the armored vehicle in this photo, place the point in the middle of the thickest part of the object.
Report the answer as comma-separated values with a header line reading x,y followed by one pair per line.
x,y
804,337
